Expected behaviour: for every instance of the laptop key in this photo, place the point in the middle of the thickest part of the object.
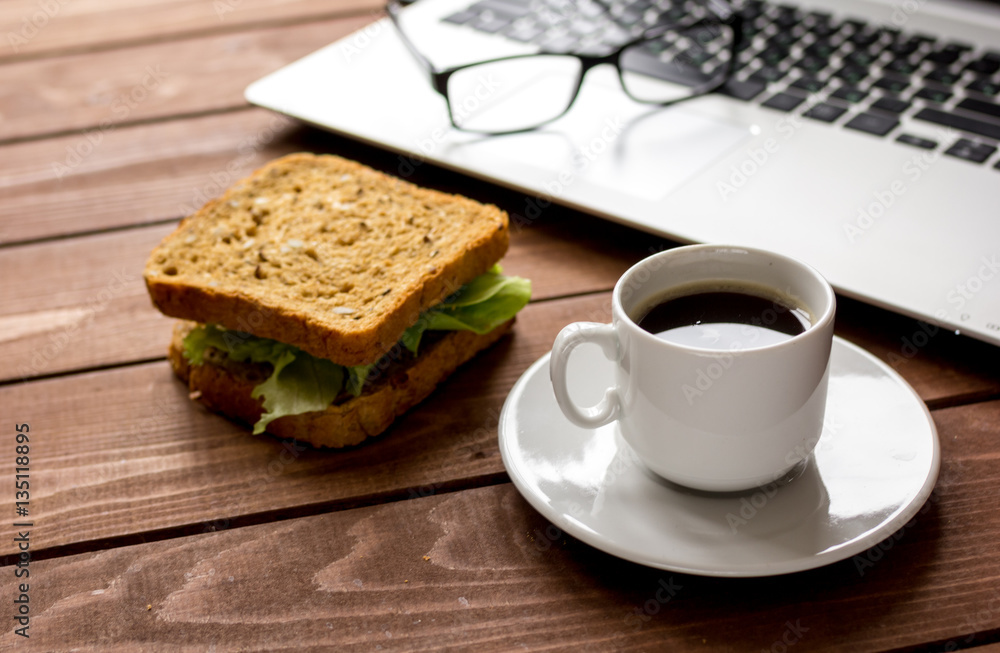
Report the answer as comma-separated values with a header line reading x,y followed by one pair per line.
x,y
917,141
852,74
984,86
904,48
943,76
947,54
491,22
589,9
507,7
971,125
750,11
979,106
861,58
864,38
891,104
812,64
851,94
614,36
902,65
767,74
855,25
772,55
824,112
821,48
524,33
697,56
872,123
892,84
628,18
560,44
461,17
933,94
824,28
971,150
783,39
809,84
583,27
891,34
783,102
649,63
787,17
743,90
988,64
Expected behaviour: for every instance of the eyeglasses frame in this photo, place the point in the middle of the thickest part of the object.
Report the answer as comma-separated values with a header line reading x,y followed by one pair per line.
x,y
439,77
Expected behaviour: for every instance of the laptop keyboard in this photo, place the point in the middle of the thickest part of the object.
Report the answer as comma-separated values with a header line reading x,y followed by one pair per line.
x,y
835,70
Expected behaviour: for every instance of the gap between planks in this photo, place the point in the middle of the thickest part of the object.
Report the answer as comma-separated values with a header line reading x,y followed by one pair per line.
x,y
263,517
72,35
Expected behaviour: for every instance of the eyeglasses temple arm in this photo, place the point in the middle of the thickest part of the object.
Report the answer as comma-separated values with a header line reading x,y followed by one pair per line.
x,y
392,8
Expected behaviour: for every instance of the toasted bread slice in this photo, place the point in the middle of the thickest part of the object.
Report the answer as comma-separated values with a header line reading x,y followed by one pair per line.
x,y
224,386
324,254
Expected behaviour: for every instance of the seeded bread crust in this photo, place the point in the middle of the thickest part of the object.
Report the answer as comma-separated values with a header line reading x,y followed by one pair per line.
x,y
224,386
324,254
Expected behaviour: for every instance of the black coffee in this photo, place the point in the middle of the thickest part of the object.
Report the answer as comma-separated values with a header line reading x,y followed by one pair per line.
x,y
724,319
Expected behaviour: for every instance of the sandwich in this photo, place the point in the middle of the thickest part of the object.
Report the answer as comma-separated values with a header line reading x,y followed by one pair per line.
x,y
319,299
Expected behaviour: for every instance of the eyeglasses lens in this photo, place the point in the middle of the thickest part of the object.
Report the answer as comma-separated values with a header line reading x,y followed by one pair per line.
x,y
513,94
677,65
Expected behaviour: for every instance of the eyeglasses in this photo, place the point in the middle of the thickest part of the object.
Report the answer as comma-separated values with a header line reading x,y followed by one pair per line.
x,y
678,58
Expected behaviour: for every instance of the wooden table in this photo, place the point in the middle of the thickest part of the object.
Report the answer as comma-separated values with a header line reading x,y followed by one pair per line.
x,y
157,525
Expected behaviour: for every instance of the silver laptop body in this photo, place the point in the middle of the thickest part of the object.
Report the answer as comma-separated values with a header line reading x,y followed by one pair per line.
x,y
910,229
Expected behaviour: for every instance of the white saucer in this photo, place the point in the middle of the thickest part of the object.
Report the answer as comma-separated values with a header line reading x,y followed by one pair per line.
x,y
874,466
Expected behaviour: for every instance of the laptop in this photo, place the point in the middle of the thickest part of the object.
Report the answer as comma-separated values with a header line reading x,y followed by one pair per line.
x,y
876,162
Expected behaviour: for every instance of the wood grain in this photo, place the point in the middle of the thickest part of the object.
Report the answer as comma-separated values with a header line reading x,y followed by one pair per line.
x,y
79,303
162,171
103,91
946,368
480,569
34,29
134,175
125,451
87,305
159,526
128,446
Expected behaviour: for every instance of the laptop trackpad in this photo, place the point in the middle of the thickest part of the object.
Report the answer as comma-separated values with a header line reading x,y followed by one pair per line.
x,y
620,146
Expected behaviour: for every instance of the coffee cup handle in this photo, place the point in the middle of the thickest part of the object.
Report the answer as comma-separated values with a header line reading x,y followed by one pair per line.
x,y
603,335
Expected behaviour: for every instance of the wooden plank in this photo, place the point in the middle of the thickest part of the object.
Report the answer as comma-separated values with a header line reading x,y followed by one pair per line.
x,y
944,368
163,171
133,175
79,303
101,91
89,290
480,569
124,451
33,29
82,303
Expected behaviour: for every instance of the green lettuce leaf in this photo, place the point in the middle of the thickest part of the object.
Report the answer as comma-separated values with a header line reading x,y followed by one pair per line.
x,y
298,385
239,346
302,383
356,376
481,305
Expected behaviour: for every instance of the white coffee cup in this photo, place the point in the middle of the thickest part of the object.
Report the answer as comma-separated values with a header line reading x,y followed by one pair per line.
x,y
711,419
